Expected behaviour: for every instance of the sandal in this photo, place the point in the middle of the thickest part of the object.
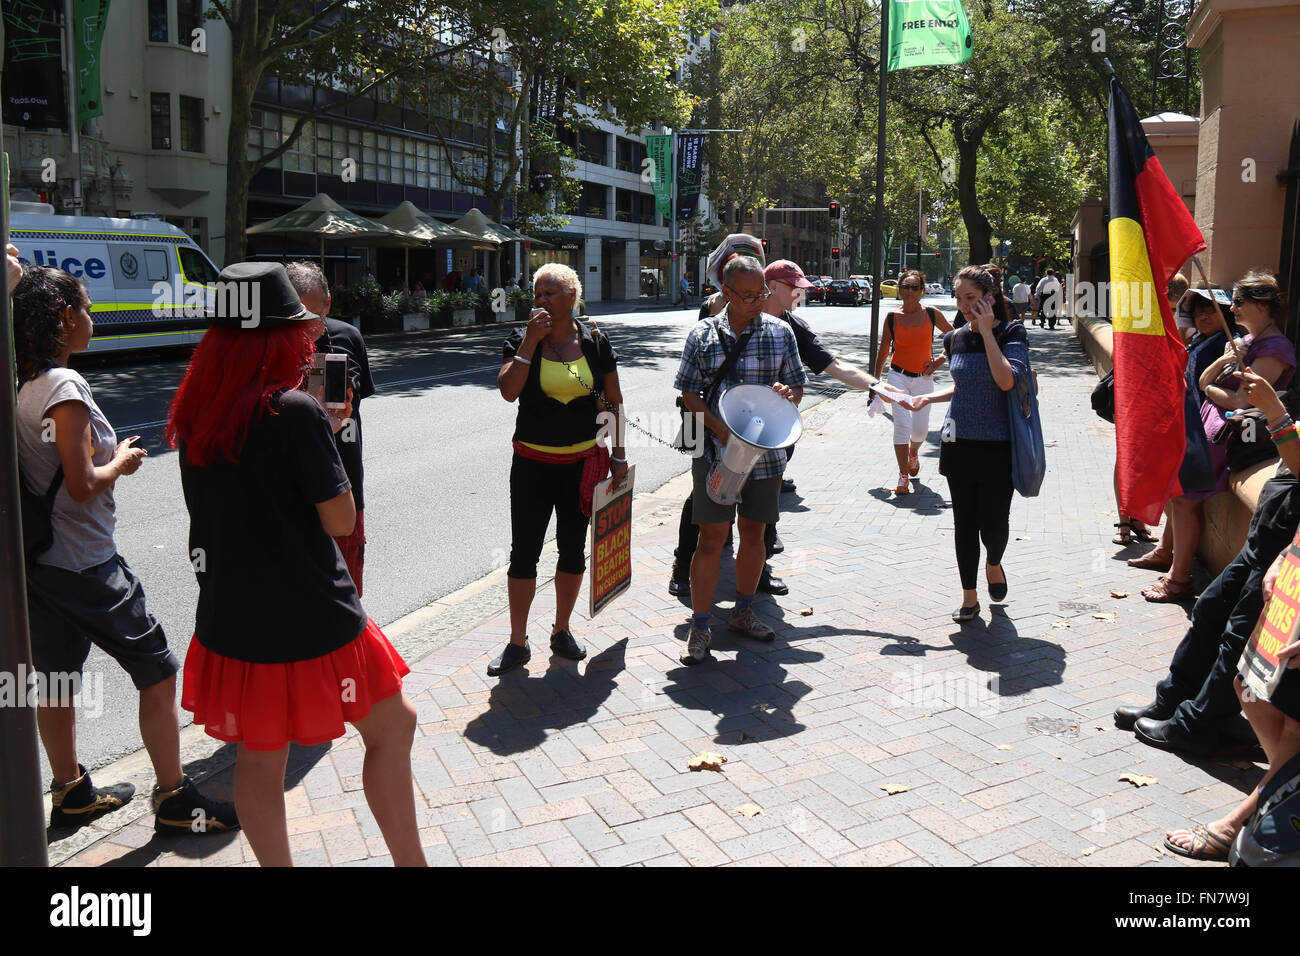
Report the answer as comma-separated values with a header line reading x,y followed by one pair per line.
x,y
1152,561
901,487
1205,845
1125,533
913,465
1168,591
1143,535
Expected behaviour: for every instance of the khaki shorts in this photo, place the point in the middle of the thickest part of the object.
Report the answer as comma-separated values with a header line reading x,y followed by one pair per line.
x,y
760,499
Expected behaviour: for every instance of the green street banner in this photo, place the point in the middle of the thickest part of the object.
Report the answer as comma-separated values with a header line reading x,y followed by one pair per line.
x,y
89,18
660,150
927,33
34,88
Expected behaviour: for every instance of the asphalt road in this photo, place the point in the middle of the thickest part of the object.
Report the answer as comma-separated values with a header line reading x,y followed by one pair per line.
x,y
437,455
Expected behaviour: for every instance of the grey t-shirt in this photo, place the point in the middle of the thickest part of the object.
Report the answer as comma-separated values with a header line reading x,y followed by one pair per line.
x,y
83,534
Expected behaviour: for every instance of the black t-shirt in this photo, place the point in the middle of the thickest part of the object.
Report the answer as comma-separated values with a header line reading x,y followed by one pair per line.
x,y
811,352
273,587
543,420
343,338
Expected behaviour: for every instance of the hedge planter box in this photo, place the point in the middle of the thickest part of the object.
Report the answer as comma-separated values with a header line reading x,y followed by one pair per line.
x,y
415,322
460,317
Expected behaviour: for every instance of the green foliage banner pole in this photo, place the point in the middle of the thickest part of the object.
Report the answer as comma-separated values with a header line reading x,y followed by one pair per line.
x,y
928,33
659,148
89,18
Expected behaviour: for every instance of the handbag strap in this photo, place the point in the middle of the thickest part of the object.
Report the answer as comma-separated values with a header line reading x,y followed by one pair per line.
x,y
53,490
732,355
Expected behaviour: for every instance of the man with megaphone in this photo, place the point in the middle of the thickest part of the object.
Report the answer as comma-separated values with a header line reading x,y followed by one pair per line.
x,y
738,346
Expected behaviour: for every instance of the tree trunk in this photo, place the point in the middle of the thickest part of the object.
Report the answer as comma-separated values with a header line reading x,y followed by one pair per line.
x,y
245,75
977,224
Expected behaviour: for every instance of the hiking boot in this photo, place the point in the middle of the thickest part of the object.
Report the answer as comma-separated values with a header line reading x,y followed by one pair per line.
x,y
747,623
564,644
185,810
513,656
79,801
696,650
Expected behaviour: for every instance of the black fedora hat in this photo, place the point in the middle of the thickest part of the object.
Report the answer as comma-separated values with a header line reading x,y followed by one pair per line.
x,y
255,295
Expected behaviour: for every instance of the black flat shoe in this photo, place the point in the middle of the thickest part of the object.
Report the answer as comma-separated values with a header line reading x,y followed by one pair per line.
x,y
564,645
1166,735
680,586
513,656
964,614
997,590
769,584
1126,717
787,486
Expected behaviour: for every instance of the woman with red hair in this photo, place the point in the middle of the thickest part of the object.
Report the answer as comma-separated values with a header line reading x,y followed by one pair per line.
x,y
283,650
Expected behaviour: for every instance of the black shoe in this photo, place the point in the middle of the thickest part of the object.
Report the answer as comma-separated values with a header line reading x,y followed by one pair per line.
x,y
964,614
1166,735
563,644
1126,717
768,584
513,656
185,810
79,801
997,591
777,544
787,486
679,587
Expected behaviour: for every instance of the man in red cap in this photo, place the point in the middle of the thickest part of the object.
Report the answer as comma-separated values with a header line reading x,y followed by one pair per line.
x,y
786,281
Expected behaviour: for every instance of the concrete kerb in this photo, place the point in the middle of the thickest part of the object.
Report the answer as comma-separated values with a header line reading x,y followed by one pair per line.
x,y
415,635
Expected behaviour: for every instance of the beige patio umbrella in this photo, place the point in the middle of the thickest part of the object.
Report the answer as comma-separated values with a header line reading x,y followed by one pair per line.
x,y
323,217
476,223
411,221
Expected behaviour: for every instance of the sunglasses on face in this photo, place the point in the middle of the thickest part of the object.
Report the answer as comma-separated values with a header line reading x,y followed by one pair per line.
x,y
751,299
910,288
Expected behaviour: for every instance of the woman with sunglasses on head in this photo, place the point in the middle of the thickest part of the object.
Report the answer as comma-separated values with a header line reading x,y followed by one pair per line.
x,y
908,344
989,354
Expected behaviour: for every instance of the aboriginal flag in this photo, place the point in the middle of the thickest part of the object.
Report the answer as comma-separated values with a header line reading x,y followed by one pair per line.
x,y
1151,235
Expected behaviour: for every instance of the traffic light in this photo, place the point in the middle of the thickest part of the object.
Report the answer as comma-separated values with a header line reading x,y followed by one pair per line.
x,y
835,253
764,248
835,210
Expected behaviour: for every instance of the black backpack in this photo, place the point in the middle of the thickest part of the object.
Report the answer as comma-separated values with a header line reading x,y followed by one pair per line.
x,y
1103,397
38,518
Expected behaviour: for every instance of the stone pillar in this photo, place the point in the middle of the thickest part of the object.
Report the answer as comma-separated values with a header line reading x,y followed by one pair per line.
x,y
1250,98
590,260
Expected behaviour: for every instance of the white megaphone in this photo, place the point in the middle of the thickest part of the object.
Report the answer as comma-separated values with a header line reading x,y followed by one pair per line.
x,y
760,421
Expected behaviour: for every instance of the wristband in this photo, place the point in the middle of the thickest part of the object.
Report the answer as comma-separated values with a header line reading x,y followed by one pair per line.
x,y
1285,438
520,358
621,461
1285,423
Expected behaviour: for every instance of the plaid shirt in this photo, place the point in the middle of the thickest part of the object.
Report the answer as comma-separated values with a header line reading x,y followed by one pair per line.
x,y
770,356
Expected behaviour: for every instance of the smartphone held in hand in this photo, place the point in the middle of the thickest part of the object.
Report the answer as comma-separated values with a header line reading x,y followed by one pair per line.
x,y
328,379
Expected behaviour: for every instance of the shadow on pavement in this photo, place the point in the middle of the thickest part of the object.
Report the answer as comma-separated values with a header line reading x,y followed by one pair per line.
x,y
522,707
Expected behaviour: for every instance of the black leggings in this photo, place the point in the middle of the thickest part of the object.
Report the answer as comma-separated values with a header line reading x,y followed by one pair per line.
x,y
979,481
536,489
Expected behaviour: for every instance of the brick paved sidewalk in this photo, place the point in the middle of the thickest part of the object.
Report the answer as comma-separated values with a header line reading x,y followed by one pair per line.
x,y
1000,732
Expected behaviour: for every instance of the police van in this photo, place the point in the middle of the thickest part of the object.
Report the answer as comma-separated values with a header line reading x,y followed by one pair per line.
x,y
135,270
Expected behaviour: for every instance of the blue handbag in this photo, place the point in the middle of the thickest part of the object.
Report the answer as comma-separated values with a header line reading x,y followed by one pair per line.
x,y
1028,458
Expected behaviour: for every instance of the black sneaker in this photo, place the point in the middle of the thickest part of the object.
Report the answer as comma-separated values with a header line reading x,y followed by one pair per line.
x,y
78,802
679,585
564,644
513,656
185,810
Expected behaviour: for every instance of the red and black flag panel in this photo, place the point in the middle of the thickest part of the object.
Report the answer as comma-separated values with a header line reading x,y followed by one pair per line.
x,y
1151,235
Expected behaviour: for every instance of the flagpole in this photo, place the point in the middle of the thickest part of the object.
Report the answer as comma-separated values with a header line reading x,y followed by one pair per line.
x,y
1219,312
878,227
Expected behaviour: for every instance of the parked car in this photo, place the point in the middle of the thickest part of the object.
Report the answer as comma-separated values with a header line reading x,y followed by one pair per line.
x,y
865,285
845,292
934,288
889,289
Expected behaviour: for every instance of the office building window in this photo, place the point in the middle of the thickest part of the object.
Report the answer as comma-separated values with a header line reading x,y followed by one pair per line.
x,y
189,17
191,124
160,115
158,21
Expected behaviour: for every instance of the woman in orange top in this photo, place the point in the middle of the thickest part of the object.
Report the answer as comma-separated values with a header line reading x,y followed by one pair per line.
x,y
908,342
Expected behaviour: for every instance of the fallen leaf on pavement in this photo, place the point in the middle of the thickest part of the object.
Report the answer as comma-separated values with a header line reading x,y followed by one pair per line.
x,y
893,788
806,612
1063,622
1108,616
706,761
1119,594
1025,538
749,810
1004,746
997,761
1137,779
1090,851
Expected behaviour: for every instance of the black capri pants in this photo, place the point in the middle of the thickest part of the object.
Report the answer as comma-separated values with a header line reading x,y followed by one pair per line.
x,y
537,489
979,481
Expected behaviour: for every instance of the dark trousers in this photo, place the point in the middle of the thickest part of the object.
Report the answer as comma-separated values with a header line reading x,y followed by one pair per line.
x,y
981,511
688,536
536,490
1200,681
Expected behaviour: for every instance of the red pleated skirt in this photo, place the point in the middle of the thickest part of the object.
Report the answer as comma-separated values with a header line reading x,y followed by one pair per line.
x,y
265,706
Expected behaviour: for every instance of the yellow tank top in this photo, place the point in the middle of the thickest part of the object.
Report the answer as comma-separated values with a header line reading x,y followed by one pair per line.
x,y
558,382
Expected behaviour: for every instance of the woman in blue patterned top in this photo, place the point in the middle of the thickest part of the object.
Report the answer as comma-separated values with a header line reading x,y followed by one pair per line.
x,y
986,357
